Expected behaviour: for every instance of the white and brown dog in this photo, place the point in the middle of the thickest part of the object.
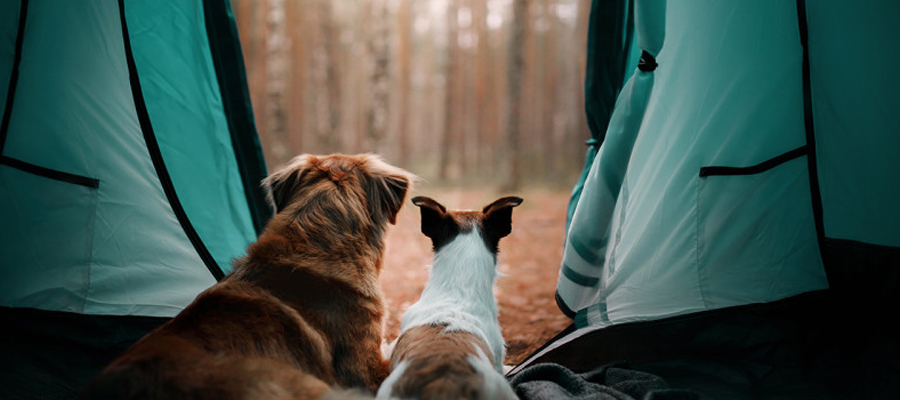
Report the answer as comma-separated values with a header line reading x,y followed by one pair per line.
x,y
300,316
450,345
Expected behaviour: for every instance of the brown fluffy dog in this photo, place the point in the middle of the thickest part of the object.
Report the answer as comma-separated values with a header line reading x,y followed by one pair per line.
x,y
300,314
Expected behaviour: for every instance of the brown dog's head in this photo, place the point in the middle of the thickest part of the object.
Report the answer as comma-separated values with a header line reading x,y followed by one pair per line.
x,y
341,186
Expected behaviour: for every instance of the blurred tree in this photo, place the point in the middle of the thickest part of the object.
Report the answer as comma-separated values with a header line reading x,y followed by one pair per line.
x,y
277,59
451,92
379,54
514,99
403,79
326,84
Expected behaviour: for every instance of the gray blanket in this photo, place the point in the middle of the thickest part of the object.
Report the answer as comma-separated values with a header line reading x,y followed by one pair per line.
x,y
610,382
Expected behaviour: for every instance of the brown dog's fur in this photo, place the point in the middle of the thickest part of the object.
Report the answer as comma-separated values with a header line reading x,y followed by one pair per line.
x,y
301,313
440,358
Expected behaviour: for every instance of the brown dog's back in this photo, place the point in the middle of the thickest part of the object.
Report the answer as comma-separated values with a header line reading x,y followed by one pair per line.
x,y
209,352
300,316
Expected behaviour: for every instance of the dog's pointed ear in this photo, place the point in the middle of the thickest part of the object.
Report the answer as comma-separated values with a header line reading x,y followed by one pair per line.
x,y
282,185
432,216
497,219
387,188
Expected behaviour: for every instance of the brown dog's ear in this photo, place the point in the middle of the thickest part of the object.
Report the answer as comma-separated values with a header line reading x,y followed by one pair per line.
x,y
497,220
282,185
387,187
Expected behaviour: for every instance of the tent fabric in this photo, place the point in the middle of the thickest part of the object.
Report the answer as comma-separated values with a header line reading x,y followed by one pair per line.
x,y
613,52
853,100
705,201
228,59
129,177
736,233
853,49
124,95
180,89
9,27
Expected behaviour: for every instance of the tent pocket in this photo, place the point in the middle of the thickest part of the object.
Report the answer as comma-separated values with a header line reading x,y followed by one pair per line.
x,y
756,237
47,236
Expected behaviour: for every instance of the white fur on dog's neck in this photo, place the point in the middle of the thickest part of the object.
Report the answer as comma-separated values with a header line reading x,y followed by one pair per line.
x,y
460,293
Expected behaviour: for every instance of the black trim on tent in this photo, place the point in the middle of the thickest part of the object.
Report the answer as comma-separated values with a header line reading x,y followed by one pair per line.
x,y
562,306
61,176
156,156
14,74
809,124
228,60
758,168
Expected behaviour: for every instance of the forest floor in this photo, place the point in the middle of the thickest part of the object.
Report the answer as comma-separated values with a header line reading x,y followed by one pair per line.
x,y
528,261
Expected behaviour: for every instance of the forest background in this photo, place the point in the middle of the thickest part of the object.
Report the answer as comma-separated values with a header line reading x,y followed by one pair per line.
x,y
459,91
477,97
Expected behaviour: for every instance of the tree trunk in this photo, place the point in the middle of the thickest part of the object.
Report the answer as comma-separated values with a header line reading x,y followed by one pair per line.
x,y
514,99
379,56
450,91
326,80
277,46
404,81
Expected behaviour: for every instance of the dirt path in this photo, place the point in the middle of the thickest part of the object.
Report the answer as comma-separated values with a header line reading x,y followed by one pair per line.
x,y
529,259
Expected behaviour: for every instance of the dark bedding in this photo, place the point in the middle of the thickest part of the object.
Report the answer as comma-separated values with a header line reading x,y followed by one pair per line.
x,y
814,346
613,382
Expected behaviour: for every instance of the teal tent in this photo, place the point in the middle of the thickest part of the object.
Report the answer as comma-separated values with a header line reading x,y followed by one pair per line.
x,y
741,200
736,169
128,178
736,230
